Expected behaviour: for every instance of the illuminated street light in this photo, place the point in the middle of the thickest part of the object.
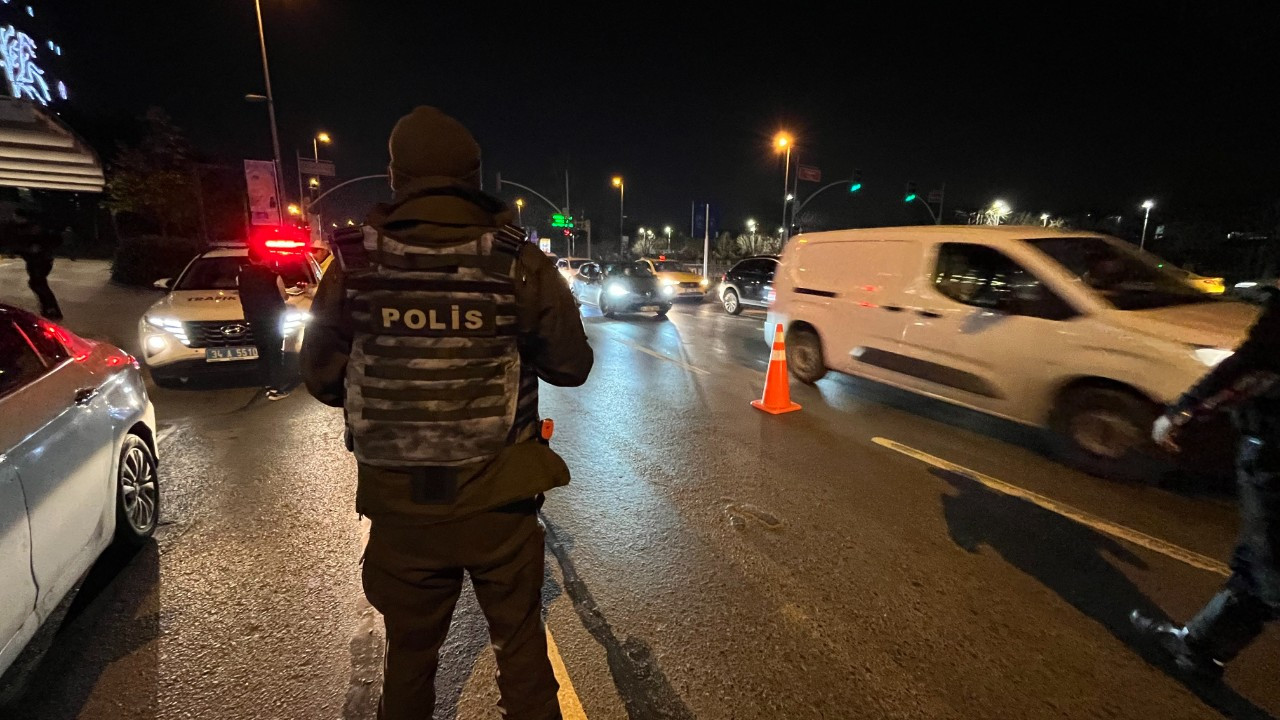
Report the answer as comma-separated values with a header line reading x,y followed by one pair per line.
x,y
1147,205
314,183
622,215
1044,218
782,142
998,211
294,209
667,231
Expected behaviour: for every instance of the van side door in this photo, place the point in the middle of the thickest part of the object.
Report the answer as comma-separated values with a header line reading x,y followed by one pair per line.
x,y
983,331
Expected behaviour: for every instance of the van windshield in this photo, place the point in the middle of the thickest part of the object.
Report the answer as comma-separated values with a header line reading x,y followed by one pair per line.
x,y
1126,278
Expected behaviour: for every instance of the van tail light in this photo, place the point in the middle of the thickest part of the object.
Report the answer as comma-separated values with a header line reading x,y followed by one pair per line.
x,y
771,296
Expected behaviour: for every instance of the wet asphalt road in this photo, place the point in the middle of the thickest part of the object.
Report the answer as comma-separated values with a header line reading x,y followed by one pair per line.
x,y
708,560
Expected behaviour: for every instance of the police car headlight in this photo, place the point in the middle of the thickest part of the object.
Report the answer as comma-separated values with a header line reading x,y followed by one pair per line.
x,y
1211,356
293,321
170,325
617,290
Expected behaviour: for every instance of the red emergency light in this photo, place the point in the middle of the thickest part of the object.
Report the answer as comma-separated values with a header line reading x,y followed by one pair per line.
x,y
280,238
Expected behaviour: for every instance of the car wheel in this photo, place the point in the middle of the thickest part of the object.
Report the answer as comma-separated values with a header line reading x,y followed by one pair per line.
x,y
1106,432
137,492
663,310
731,303
605,308
804,356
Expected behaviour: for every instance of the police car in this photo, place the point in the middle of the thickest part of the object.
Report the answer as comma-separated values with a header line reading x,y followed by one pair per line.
x,y
199,329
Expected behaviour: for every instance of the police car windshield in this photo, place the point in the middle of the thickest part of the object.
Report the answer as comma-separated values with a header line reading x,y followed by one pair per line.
x,y
637,269
221,273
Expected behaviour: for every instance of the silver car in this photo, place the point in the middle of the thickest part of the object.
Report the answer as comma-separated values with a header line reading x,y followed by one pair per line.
x,y
77,466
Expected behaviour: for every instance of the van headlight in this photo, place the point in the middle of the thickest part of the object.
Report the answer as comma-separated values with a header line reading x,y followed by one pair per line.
x,y
170,325
1211,356
617,290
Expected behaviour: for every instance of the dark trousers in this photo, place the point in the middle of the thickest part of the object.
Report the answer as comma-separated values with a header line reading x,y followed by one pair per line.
x,y
268,337
38,269
413,576
1251,596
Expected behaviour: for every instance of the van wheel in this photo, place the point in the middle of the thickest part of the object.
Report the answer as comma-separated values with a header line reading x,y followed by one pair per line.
x,y
137,493
804,356
1106,432
731,303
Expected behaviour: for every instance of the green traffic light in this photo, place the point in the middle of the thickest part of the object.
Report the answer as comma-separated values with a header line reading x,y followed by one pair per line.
x,y
910,197
855,187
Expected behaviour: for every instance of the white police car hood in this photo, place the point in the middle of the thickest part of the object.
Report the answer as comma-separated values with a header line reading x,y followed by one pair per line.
x,y
198,305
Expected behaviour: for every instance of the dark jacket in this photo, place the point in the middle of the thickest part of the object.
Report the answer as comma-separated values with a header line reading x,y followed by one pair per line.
x,y
259,291
1247,383
552,342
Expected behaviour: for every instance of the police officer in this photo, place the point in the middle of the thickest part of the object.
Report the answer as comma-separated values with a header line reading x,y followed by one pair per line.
x,y
1248,384
262,295
431,329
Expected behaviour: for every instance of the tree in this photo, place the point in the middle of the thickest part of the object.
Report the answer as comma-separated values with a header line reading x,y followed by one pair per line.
x,y
156,178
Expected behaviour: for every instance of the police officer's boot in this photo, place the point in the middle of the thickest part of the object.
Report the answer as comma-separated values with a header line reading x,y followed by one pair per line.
x,y
1224,627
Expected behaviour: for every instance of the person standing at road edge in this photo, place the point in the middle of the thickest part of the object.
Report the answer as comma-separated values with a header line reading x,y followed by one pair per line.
x,y
36,242
262,294
432,329
1248,384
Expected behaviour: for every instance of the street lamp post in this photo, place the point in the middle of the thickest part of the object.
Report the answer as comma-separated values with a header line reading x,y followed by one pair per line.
x,y
1147,205
520,211
622,191
783,143
667,231
271,109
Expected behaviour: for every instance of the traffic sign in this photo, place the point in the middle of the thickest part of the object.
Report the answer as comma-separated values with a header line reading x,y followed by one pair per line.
x,y
559,220
318,168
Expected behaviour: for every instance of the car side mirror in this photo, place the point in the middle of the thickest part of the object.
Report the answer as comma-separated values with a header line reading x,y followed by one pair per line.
x,y
165,284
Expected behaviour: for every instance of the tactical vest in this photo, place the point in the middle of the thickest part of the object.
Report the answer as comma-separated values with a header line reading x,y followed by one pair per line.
x,y
434,377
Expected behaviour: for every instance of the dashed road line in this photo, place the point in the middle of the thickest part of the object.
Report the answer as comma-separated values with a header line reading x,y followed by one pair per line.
x,y
660,356
1116,530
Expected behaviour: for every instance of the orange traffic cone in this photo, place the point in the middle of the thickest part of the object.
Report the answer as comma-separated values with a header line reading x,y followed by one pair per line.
x,y
777,392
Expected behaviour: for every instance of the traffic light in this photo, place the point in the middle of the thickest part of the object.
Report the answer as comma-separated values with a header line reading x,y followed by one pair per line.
x,y
855,182
911,193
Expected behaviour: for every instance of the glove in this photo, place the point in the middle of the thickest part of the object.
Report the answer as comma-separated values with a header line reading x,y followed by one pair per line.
x,y
1167,428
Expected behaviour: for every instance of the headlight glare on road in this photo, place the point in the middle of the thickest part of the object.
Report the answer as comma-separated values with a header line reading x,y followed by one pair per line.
x,y
617,290
1211,356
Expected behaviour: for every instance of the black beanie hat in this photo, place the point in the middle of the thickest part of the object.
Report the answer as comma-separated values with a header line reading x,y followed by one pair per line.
x,y
428,143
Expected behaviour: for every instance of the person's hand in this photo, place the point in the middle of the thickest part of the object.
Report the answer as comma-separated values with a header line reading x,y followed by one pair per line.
x,y
1165,433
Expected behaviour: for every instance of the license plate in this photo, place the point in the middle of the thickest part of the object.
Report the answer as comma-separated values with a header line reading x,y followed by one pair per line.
x,y
227,354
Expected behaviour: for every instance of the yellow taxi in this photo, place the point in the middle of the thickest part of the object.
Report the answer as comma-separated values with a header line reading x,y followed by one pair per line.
x,y
1211,285
675,281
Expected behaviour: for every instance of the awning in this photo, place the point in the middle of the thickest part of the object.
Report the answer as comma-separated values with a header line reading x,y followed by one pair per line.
x,y
38,151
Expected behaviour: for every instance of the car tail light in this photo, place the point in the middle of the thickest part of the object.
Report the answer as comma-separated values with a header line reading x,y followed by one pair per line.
x,y
76,346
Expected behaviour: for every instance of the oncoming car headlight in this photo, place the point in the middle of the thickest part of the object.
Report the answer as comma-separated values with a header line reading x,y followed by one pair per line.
x,y
668,282
1211,356
704,282
617,290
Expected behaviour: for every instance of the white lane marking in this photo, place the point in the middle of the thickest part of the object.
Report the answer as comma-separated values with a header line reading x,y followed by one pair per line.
x,y
1122,532
164,435
570,704
660,356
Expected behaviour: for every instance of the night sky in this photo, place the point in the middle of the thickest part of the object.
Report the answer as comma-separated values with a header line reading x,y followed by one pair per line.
x,y
1054,107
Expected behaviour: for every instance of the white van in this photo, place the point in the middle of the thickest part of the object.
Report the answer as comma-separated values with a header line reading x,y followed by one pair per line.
x,y
1069,330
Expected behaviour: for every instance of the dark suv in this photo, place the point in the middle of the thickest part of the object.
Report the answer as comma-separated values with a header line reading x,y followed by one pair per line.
x,y
748,283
